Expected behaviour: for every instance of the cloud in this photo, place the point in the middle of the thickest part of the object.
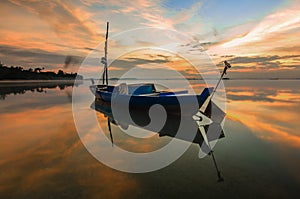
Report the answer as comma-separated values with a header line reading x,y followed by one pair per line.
x,y
259,62
75,28
58,14
153,64
154,13
69,23
275,34
253,59
282,21
131,62
33,57
71,60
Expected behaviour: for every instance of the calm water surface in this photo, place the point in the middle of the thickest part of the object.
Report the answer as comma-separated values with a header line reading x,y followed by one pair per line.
x,y
42,155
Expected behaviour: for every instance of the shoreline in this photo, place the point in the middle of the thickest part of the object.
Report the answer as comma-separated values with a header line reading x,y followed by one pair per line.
x,y
39,82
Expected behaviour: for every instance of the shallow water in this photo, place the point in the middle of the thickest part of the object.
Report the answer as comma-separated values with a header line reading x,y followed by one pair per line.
x,y
42,155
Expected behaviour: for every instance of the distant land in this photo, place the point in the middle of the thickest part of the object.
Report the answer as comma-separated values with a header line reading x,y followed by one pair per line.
x,y
18,73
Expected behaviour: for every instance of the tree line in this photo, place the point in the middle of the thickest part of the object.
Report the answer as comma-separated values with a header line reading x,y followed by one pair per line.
x,y
19,73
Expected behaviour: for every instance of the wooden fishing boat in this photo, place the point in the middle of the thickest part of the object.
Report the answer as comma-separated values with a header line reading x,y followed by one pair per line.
x,y
146,95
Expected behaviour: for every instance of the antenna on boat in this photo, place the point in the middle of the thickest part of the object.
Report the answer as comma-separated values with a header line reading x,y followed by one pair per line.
x,y
104,59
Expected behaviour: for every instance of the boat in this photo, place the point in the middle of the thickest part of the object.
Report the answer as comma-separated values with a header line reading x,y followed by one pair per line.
x,y
145,95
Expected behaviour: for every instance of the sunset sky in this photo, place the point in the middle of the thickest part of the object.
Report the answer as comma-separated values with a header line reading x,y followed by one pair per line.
x,y
259,38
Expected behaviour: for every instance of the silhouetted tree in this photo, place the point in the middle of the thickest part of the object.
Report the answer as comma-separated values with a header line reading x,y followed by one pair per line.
x,y
18,73
60,73
38,69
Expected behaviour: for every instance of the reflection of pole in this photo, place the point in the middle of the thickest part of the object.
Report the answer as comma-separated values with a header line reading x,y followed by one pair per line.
x,y
110,133
220,179
211,152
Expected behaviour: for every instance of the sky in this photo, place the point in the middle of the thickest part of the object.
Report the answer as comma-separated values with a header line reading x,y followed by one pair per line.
x,y
259,38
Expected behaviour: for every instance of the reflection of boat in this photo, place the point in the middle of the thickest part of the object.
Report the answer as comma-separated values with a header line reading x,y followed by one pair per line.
x,y
195,131
140,118
21,87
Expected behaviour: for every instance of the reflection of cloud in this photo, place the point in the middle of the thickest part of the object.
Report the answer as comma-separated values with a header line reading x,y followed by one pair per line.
x,y
271,128
262,95
39,87
239,95
43,156
269,112
131,143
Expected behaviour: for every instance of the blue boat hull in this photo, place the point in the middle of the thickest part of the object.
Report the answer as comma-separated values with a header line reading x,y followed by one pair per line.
x,y
176,102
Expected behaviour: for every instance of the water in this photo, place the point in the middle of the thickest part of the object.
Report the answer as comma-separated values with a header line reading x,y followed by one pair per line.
x,y
42,155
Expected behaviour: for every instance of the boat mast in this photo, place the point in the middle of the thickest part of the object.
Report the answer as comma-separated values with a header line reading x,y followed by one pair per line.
x,y
104,59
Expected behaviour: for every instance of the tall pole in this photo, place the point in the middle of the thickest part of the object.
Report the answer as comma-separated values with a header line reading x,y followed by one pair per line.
x,y
106,38
227,65
104,59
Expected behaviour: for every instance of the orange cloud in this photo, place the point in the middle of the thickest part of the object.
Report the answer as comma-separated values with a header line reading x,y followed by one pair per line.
x,y
270,33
